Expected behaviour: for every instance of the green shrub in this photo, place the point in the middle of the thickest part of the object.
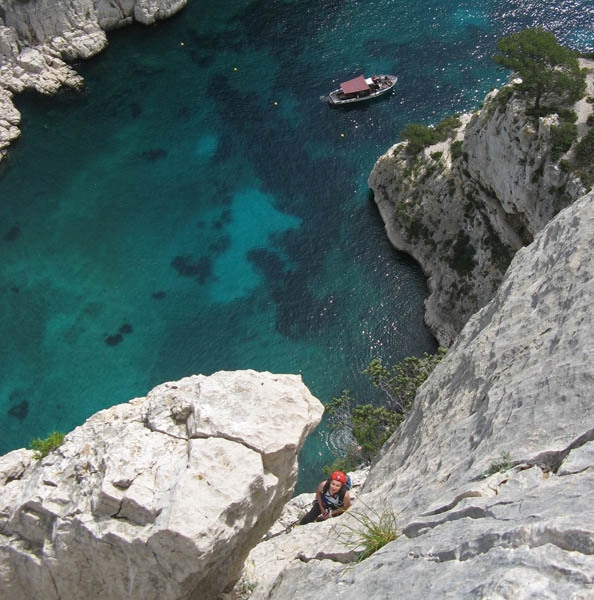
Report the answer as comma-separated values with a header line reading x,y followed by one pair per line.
x,y
373,530
567,115
584,159
419,136
370,426
401,382
504,95
584,151
456,149
44,447
562,137
462,258
501,465
446,128
363,429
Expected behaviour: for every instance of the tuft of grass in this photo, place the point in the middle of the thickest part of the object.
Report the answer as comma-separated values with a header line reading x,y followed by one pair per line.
x,y
373,530
44,447
501,465
243,589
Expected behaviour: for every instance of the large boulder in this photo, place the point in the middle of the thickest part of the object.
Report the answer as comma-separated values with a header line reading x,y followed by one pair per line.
x,y
492,475
160,498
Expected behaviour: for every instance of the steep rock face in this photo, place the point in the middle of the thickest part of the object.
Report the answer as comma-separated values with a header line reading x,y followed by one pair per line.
x,y
162,497
519,381
39,37
463,208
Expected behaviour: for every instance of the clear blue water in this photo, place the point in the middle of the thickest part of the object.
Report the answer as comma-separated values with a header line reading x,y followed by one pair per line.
x,y
200,206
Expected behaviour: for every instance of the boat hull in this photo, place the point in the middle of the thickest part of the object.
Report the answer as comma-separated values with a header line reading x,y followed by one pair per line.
x,y
338,98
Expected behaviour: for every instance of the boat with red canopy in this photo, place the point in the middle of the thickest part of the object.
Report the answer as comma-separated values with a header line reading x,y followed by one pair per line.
x,y
362,88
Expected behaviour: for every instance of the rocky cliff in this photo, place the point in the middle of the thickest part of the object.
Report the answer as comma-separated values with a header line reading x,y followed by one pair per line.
x,y
491,477
160,498
39,37
464,207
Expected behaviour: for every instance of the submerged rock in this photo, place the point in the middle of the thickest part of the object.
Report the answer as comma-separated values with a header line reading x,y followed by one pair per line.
x,y
162,497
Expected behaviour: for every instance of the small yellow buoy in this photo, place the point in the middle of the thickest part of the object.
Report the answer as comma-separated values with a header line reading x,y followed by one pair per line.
x,y
342,135
235,68
181,43
275,103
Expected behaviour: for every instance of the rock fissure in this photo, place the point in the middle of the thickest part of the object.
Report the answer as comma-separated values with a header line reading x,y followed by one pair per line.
x,y
570,540
551,460
415,529
338,557
453,503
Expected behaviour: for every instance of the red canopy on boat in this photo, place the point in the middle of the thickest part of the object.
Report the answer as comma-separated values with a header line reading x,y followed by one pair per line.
x,y
354,86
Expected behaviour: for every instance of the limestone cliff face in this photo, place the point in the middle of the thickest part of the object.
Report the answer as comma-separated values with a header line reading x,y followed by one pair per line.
x,y
517,383
160,498
463,208
39,37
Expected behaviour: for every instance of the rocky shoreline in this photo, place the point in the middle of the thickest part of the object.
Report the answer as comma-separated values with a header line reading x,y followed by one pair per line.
x,y
171,495
38,40
464,207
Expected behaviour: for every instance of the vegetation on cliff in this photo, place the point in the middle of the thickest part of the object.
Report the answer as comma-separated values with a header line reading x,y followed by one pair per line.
x,y
444,192
546,67
364,428
43,447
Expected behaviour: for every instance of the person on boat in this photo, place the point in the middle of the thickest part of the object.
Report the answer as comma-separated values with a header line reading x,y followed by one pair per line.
x,y
332,499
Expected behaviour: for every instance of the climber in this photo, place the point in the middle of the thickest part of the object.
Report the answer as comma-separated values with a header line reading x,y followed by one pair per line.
x,y
332,499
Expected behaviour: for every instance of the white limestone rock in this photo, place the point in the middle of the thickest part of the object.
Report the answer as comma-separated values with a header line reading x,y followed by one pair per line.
x,y
39,37
162,497
519,379
149,11
464,218
10,118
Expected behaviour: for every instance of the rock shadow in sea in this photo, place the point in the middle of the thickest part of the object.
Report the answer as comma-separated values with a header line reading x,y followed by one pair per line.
x,y
299,313
13,234
251,223
117,338
153,154
19,408
201,270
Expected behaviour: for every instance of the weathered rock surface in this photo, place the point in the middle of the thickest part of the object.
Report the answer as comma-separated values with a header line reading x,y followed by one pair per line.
x,y
162,497
518,381
464,214
39,37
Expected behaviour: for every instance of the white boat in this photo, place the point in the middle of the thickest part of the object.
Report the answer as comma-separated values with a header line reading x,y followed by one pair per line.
x,y
361,89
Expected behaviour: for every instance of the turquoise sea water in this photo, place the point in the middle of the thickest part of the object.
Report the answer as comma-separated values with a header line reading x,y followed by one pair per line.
x,y
200,207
